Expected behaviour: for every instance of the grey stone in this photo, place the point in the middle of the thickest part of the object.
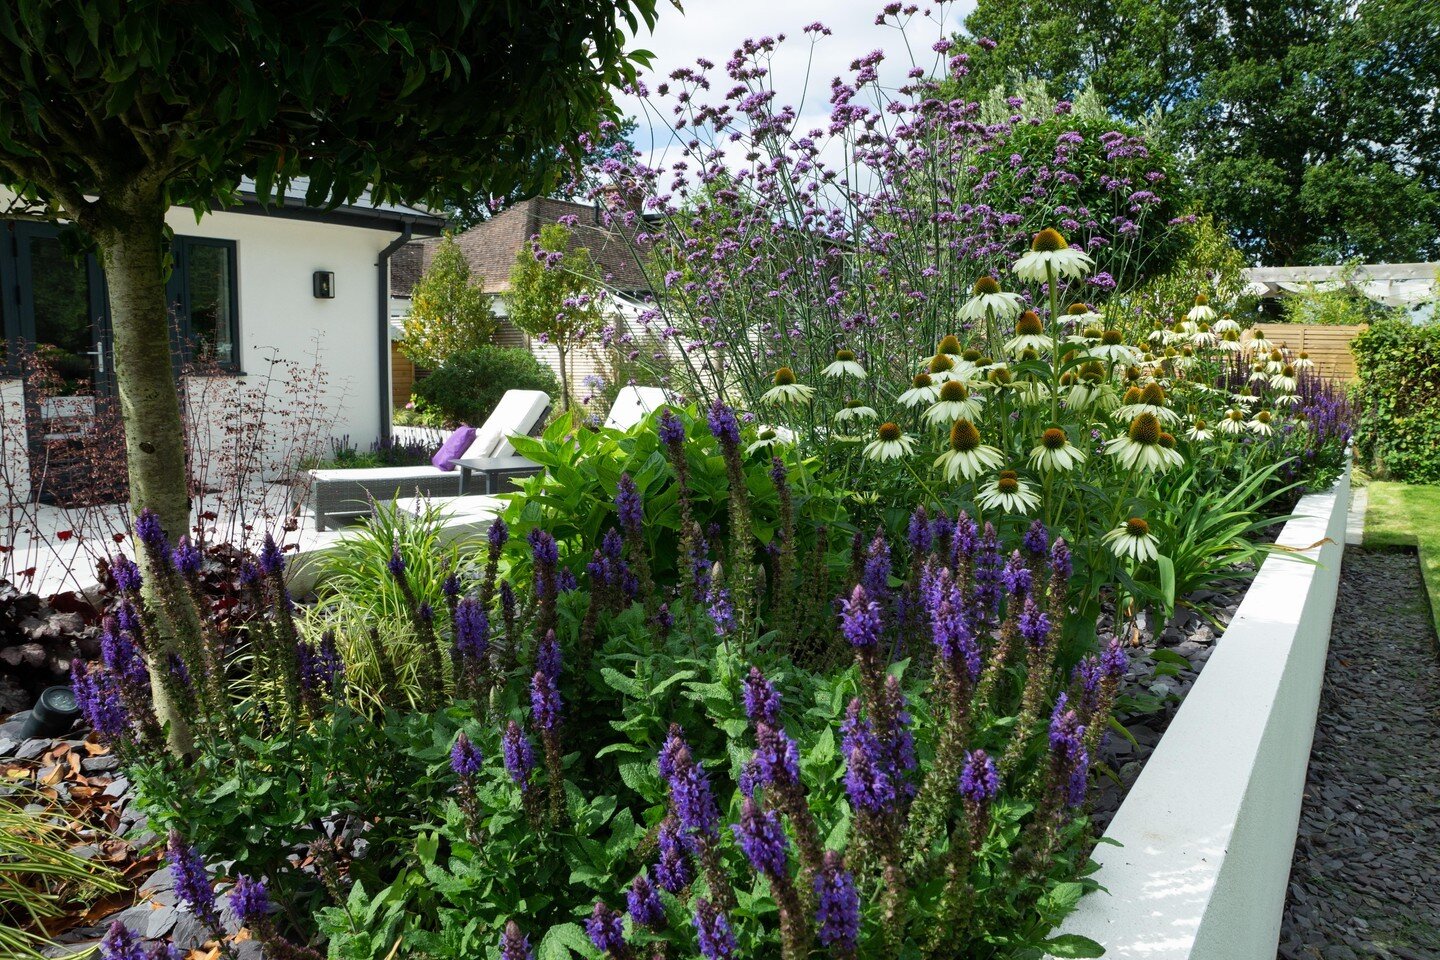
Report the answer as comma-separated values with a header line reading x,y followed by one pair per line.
x,y
31,749
189,932
101,764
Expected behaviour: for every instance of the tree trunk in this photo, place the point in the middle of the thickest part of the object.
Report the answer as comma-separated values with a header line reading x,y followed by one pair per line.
x,y
132,251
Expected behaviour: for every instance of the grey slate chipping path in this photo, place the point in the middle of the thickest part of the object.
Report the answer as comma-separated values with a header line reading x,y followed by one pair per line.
x,y
1365,880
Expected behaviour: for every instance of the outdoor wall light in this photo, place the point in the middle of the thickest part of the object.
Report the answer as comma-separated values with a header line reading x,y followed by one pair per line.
x,y
324,281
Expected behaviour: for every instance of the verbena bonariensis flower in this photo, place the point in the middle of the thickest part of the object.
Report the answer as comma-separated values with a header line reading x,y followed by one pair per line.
x,y
606,930
762,700
837,906
192,881
514,945
642,900
712,931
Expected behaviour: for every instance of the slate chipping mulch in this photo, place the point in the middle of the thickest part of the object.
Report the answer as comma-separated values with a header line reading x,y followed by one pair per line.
x,y
1365,881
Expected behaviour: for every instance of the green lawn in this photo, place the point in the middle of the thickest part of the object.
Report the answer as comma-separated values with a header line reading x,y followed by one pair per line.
x,y
1403,515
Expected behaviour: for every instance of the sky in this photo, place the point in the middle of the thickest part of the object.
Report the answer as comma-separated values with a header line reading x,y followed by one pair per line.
x,y
715,28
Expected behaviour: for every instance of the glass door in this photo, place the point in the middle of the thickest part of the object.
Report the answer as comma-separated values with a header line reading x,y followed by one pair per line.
x,y
63,334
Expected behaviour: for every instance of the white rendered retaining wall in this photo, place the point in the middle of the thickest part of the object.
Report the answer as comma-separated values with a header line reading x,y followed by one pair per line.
x,y
1208,830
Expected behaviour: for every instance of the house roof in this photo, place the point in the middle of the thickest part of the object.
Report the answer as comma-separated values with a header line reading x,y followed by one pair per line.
x,y
491,247
364,212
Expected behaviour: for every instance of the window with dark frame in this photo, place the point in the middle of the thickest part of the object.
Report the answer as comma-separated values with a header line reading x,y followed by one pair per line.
x,y
204,299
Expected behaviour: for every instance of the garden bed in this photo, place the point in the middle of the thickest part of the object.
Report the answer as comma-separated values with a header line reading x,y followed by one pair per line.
x,y
1196,859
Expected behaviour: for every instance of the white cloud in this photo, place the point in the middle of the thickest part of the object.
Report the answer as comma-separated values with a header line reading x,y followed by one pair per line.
x,y
714,29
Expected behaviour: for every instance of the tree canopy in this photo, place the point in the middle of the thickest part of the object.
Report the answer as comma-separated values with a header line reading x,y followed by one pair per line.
x,y
1310,128
449,311
555,294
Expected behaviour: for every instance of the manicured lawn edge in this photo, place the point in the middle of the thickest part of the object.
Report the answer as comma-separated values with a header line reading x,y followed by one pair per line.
x,y
1208,831
1405,515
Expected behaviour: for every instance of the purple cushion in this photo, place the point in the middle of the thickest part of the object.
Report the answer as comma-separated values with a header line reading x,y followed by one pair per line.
x,y
454,445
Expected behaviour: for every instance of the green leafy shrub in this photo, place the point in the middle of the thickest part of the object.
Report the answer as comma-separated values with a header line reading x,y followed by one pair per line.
x,y
1345,306
467,387
449,311
1398,399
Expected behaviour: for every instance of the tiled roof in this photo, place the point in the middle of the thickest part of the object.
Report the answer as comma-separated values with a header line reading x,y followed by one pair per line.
x,y
491,247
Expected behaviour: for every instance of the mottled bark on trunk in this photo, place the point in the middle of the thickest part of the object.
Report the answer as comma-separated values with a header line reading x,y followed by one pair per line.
x,y
132,251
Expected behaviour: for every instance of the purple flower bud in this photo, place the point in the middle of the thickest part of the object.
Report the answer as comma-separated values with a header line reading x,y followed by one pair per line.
x,y
723,424
867,783
152,536
519,755
674,870
272,561
1115,661
545,703
250,900
837,905
1016,577
876,576
860,620
721,611
450,586
514,945
779,473
472,629
762,839
643,902
544,548
126,573
967,537
712,930
465,757
671,430
762,700
396,565
1036,539
689,785
919,534
606,930
979,780
1060,560
629,505
1034,624
120,944
497,534
565,581
612,545
425,612
192,882
547,656
186,558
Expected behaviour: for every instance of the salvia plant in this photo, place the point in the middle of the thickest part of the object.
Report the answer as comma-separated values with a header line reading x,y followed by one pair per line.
x,y
618,764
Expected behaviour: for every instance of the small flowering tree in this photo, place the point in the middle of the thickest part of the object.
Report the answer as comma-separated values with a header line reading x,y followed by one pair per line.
x,y
555,295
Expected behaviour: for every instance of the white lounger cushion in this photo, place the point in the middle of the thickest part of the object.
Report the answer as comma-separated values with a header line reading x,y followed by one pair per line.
x,y
380,474
517,412
633,404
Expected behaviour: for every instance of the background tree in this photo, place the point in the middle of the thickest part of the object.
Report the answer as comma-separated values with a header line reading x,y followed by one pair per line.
x,y
449,311
111,113
1309,127
555,294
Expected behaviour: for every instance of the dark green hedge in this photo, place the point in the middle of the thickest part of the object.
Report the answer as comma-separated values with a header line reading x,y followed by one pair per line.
x,y
470,384
1398,400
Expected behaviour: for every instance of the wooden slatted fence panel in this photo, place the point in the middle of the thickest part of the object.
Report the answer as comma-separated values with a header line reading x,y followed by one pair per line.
x,y
402,376
1327,345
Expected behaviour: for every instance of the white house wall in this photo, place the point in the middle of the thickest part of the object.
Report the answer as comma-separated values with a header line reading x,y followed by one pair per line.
x,y
281,320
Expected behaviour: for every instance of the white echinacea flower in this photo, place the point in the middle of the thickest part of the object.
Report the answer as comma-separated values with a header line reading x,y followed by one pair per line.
x,y
1029,335
786,390
967,455
1009,493
988,298
922,390
1202,312
845,365
954,403
890,443
1140,448
1133,539
1049,252
1056,452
